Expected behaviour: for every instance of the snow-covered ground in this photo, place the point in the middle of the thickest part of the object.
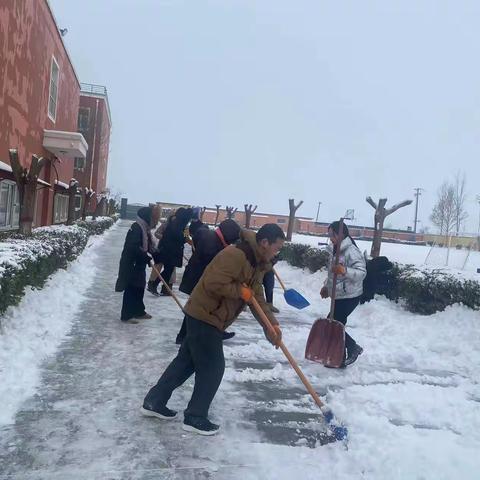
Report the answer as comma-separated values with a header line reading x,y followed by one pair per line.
x,y
456,261
33,330
411,402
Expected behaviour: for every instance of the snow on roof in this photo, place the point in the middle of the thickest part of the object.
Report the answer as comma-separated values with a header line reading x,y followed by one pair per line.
x,y
61,184
5,167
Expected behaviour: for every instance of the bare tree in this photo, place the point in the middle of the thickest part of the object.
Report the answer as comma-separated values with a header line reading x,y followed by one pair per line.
x,y
459,200
291,219
202,213
100,208
88,194
231,211
249,210
218,214
26,180
444,214
73,190
381,213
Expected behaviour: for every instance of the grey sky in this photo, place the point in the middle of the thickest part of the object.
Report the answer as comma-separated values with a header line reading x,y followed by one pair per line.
x,y
258,101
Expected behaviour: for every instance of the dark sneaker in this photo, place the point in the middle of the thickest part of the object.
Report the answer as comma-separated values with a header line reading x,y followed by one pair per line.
x,y
228,335
152,288
352,357
163,413
199,425
145,316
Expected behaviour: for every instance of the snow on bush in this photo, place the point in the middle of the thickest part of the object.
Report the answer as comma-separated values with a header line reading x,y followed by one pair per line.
x,y
424,291
30,260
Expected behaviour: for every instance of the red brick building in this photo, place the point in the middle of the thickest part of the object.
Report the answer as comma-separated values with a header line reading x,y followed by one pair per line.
x,y
94,123
39,109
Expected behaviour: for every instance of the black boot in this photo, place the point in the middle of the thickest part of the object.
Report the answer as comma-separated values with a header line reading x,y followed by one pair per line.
x,y
164,292
353,355
152,288
228,335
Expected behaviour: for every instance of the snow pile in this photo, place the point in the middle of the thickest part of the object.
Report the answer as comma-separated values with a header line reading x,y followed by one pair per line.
x,y
411,402
33,330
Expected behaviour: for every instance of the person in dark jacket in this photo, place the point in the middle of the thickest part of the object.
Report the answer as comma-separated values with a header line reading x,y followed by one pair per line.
x,y
269,285
132,270
207,244
170,247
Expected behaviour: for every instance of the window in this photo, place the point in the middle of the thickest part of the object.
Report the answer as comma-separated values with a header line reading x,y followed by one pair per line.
x,y
79,164
60,208
281,220
83,119
9,205
78,202
53,94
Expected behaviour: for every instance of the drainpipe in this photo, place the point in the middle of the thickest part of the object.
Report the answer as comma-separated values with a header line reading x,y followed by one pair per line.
x,y
94,144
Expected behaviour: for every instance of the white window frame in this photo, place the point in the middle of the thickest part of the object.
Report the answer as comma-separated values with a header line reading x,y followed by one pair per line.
x,y
76,163
60,208
53,116
12,219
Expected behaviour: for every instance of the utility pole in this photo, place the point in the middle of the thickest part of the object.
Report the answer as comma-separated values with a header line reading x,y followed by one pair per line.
x,y
318,211
418,192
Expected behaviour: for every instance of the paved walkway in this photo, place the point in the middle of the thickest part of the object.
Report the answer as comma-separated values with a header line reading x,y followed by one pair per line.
x,y
84,421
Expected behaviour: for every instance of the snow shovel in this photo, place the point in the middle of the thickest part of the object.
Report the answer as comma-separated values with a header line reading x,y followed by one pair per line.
x,y
292,297
169,290
340,432
326,341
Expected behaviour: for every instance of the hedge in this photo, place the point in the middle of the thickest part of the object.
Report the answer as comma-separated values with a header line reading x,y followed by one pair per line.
x,y
30,260
420,291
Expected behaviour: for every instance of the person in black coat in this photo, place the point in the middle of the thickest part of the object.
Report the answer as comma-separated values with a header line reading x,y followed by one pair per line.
x,y
207,243
132,270
170,248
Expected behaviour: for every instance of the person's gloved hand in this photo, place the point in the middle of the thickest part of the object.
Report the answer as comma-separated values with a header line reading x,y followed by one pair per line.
x,y
277,338
339,269
324,292
246,294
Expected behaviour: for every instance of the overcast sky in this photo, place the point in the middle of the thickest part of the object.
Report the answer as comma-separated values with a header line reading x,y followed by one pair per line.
x,y
257,101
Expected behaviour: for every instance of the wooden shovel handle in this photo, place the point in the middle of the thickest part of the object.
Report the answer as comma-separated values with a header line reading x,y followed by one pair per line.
x,y
165,284
279,279
284,349
335,276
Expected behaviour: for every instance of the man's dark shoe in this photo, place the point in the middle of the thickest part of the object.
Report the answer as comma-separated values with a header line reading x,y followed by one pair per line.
x,y
200,425
145,316
352,356
152,288
163,413
228,335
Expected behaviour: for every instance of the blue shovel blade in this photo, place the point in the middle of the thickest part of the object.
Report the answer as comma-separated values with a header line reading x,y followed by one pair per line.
x,y
295,299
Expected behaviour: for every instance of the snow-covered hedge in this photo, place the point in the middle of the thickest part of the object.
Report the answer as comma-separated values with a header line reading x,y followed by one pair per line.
x,y
420,291
31,260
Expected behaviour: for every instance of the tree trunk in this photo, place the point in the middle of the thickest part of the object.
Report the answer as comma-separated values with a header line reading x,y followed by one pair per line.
x,y
72,191
249,210
99,209
291,218
26,181
231,212
218,214
87,196
379,219
202,213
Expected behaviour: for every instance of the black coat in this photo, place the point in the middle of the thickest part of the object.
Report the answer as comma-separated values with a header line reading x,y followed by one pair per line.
x,y
133,261
207,244
170,247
